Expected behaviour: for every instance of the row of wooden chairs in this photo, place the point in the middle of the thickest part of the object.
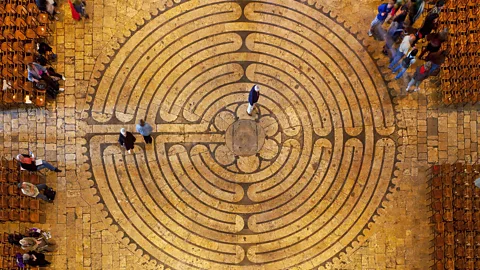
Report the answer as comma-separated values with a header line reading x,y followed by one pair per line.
x,y
462,18
8,252
455,202
21,24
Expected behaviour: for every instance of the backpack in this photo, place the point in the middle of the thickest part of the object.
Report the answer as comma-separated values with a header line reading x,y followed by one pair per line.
x,y
406,61
50,193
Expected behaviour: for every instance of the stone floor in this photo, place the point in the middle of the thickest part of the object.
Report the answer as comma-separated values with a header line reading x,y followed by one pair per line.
x,y
329,172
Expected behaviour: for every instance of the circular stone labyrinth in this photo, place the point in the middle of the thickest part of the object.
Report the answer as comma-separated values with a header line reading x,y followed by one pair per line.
x,y
188,202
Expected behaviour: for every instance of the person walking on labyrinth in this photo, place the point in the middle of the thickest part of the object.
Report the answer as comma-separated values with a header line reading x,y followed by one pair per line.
x,y
145,130
406,63
253,98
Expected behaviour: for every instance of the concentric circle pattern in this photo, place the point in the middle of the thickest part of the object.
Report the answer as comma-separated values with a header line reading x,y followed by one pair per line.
x,y
188,202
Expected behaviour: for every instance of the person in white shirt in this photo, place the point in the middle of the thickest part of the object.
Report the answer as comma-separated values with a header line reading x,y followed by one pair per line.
x,y
402,50
407,62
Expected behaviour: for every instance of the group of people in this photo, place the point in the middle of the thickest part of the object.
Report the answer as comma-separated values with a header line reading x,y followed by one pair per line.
x,y
405,54
127,139
45,78
35,243
50,6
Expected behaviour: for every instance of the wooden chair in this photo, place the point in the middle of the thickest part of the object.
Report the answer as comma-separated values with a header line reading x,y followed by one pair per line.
x,y
24,216
3,202
14,202
34,216
13,190
34,204
13,215
3,189
3,215
24,202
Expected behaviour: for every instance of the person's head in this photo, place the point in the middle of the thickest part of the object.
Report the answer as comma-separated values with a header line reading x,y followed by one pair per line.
x,y
257,88
414,52
26,257
443,34
30,66
391,3
427,65
412,37
123,131
24,242
20,157
440,4
141,122
404,9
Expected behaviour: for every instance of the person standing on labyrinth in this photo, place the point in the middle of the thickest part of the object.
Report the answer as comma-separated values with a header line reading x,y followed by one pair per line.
x,y
127,140
145,130
253,98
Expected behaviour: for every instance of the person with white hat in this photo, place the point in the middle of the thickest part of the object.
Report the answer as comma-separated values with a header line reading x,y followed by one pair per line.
x,y
253,98
127,140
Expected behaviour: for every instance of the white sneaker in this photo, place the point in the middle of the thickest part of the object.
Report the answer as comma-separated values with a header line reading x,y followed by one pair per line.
x,y
416,89
370,33
61,89
130,151
63,78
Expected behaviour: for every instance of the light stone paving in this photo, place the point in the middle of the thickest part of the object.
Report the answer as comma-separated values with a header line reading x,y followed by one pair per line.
x,y
339,183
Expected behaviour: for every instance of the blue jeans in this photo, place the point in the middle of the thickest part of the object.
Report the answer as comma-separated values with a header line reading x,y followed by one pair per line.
x,y
399,75
45,165
395,59
40,195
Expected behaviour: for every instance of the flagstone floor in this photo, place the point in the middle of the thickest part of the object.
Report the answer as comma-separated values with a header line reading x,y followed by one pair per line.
x,y
329,172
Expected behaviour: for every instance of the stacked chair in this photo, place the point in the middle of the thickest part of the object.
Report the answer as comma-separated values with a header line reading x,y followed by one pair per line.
x,y
456,216
461,71
14,206
21,26
8,252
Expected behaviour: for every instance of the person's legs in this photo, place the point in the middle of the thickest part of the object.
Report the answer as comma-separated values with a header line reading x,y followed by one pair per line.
x,y
396,58
148,139
250,108
410,83
397,67
42,186
42,197
401,73
374,23
46,165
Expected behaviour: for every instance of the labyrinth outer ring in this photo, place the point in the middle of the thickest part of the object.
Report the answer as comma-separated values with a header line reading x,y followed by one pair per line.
x,y
301,208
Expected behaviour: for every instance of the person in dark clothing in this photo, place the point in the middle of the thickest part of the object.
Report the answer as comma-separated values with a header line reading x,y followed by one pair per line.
x,y
435,41
419,76
127,140
28,162
429,24
45,50
415,10
34,258
54,75
253,97
39,75
437,60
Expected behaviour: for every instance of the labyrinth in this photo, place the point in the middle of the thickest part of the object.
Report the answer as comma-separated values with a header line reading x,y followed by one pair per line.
x,y
293,186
